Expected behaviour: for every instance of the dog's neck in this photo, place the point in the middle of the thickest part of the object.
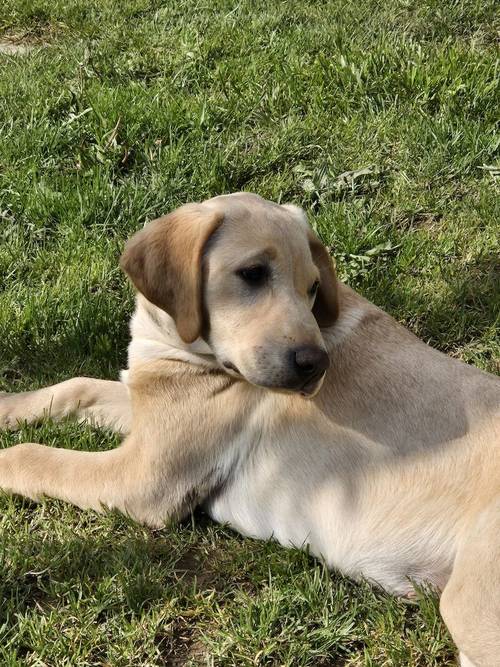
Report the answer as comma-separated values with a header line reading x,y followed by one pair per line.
x,y
154,336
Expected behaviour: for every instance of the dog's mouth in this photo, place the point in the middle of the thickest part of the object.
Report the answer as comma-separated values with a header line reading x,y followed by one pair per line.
x,y
229,366
307,390
312,386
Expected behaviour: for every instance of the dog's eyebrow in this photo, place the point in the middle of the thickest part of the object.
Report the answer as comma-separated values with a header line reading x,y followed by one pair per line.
x,y
255,258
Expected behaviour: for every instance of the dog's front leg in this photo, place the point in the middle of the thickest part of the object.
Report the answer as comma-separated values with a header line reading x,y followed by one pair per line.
x,y
102,402
179,448
113,479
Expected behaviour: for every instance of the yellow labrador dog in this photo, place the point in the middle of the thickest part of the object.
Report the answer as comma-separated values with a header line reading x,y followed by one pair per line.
x,y
293,409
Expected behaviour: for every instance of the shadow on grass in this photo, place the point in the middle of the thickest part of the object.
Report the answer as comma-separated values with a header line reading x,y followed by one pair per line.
x,y
122,571
121,575
466,311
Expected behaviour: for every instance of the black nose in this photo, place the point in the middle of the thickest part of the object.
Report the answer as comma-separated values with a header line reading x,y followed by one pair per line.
x,y
310,361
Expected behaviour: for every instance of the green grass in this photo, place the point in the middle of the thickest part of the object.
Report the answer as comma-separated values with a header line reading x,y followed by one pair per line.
x,y
119,111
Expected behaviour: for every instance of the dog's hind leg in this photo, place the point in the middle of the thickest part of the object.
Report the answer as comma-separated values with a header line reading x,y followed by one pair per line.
x,y
103,403
470,603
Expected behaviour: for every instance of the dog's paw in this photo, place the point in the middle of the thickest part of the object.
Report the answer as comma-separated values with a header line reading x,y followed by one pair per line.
x,y
10,413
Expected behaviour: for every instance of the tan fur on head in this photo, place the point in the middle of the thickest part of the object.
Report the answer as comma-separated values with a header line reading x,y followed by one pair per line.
x,y
255,333
163,261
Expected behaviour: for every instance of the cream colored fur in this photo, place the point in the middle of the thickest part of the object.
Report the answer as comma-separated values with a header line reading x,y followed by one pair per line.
x,y
390,470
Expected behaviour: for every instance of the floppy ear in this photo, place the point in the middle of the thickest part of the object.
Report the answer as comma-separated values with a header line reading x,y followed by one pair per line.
x,y
163,260
326,305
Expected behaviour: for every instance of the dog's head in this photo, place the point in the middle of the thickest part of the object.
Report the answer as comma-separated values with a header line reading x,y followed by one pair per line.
x,y
250,278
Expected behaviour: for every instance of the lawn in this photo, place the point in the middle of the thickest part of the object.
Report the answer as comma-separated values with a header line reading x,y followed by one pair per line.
x,y
380,120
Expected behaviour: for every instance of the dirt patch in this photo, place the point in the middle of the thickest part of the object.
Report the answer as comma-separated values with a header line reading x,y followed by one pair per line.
x,y
20,44
180,645
408,220
194,566
15,49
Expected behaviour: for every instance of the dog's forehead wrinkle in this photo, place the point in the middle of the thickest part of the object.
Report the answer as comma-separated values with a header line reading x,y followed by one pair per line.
x,y
262,238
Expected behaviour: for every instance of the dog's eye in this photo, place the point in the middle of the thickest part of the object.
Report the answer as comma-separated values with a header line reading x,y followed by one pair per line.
x,y
314,288
254,275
